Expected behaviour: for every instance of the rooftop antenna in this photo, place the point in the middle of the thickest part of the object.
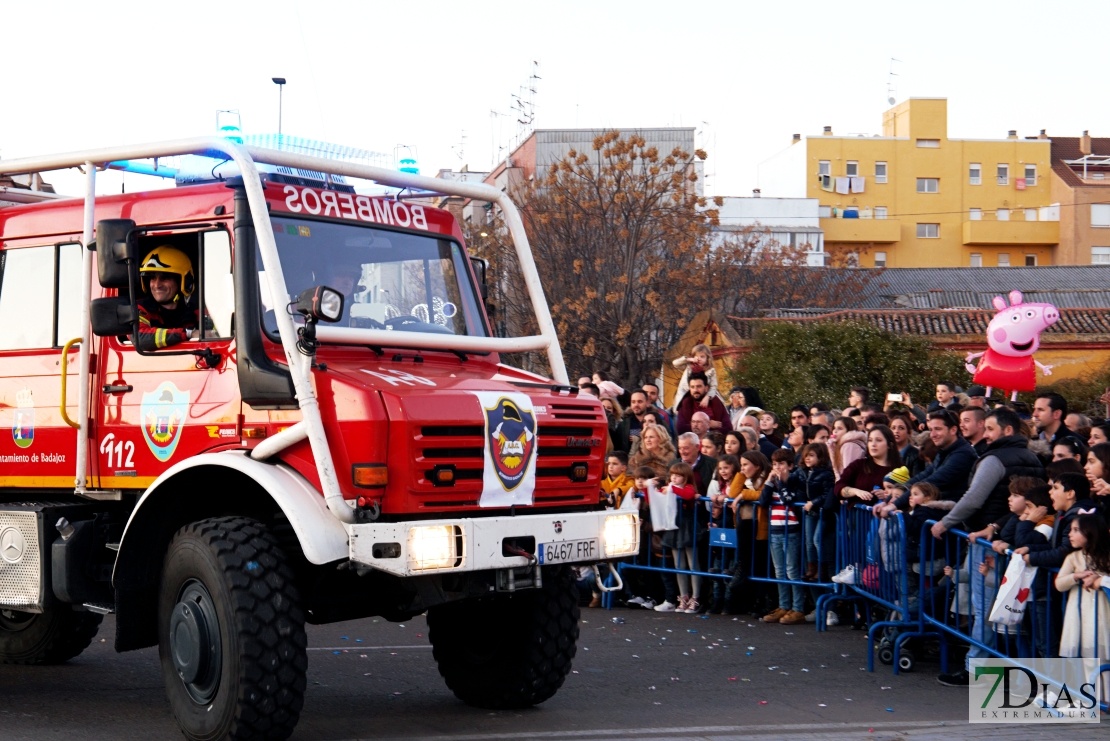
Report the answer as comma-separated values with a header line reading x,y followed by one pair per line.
x,y
460,148
891,91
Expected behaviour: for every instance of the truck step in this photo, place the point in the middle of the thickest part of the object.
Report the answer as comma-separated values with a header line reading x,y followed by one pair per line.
x,y
100,608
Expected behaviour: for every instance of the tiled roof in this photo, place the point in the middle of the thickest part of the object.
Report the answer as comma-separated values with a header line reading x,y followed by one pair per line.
x,y
943,323
1066,286
1067,148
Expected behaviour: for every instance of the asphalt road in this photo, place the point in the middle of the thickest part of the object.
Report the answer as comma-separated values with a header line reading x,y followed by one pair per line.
x,y
638,674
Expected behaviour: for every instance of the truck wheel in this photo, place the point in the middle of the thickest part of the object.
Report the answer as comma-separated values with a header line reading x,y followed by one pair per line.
x,y
508,651
231,632
50,637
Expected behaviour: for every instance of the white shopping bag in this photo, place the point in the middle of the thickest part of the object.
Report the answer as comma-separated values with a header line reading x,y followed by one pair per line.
x,y
1013,593
664,507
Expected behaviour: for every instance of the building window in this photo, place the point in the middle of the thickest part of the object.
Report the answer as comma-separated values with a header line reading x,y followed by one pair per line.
x,y
928,143
975,214
851,168
1100,214
1003,259
1030,214
1003,174
880,172
1030,261
1030,175
824,212
974,174
824,167
928,185
1100,255
880,212
880,259
1002,214
976,260
928,231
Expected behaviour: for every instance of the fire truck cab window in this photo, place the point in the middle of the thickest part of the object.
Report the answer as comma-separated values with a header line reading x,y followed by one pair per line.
x,y
392,280
40,292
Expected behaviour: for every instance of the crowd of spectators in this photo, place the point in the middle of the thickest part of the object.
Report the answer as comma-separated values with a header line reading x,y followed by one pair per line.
x,y
955,462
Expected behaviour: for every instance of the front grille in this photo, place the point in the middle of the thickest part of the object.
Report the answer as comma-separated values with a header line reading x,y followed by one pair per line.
x,y
463,447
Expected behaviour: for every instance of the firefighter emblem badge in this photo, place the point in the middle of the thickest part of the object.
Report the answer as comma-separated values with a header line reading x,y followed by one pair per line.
x,y
23,423
510,449
163,412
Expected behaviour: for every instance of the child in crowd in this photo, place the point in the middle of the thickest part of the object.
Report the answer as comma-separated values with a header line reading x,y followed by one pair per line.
x,y
616,483
751,528
680,541
644,479
784,487
1070,493
700,360
1086,632
724,487
820,530
925,504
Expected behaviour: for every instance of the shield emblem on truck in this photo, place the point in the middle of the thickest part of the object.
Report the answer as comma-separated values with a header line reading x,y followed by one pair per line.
x,y
509,470
163,412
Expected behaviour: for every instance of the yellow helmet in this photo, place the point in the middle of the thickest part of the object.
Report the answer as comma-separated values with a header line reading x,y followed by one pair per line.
x,y
166,259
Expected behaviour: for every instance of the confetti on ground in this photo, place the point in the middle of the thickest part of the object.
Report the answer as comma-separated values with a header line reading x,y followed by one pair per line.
x,y
747,653
732,679
573,671
618,621
805,670
884,688
344,638
844,656
691,630
789,633
362,656
745,679
635,656
751,648
772,668
890,710
822,705
337,652
359,640
762,702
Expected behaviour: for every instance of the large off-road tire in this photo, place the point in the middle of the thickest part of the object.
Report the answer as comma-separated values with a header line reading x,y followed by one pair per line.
x,y
50,637
508,651
231,632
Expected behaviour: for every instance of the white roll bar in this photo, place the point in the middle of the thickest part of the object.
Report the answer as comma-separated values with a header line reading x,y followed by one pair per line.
x,y
299,365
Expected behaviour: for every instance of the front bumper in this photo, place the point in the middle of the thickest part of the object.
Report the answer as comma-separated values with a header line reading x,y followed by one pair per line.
x,y
479,544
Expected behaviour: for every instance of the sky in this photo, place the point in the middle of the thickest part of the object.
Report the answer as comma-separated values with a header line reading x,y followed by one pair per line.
x,y
439,78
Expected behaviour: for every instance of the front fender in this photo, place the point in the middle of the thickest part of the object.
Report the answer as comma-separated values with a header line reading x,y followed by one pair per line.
x,y
322,537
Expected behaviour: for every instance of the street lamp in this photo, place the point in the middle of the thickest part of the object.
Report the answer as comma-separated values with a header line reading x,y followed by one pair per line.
x,y
280,82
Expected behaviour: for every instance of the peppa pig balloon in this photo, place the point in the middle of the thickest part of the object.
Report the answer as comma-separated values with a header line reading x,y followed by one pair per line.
x,y
1013,335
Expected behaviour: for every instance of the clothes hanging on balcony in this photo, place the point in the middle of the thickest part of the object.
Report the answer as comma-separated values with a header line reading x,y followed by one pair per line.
x,y
857,184
842,185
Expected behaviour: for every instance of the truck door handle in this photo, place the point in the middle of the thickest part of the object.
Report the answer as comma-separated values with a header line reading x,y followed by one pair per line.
x,y
122,388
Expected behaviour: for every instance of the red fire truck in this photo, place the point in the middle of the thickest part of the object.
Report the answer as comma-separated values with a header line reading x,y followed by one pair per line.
x,y
336,439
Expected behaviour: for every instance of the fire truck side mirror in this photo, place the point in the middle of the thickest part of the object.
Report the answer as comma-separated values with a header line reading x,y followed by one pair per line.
x,y
113,316
116,251
481,267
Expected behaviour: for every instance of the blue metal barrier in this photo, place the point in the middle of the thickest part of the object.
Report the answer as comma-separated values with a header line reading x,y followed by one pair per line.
x,y
727,552
961,604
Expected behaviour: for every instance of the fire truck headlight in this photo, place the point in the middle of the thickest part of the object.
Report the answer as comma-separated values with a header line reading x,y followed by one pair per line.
x,y
435,547
320,303
621,534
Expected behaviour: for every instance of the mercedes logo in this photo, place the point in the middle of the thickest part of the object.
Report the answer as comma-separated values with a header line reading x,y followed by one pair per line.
x,y
12,545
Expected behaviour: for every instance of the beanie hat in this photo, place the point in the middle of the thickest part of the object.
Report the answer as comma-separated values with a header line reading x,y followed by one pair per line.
x,y
898,477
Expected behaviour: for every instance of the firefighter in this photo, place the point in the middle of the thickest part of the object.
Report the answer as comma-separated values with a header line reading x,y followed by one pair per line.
x,y
166,317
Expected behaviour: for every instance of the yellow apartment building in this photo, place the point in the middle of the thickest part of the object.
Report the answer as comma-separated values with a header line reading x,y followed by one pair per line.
x,y
913,197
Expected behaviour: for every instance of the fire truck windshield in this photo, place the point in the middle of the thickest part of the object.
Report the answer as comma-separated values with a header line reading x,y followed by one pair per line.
x,y
389,280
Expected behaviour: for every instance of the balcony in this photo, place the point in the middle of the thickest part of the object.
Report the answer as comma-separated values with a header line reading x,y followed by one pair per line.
x,y
879,231
1010,233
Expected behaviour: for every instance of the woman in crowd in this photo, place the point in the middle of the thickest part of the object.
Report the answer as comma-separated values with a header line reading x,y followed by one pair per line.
x,y
1100,433
656,451
1070,447
861,477
902,428
846,444
713,444
734,443
1097,469
613,414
